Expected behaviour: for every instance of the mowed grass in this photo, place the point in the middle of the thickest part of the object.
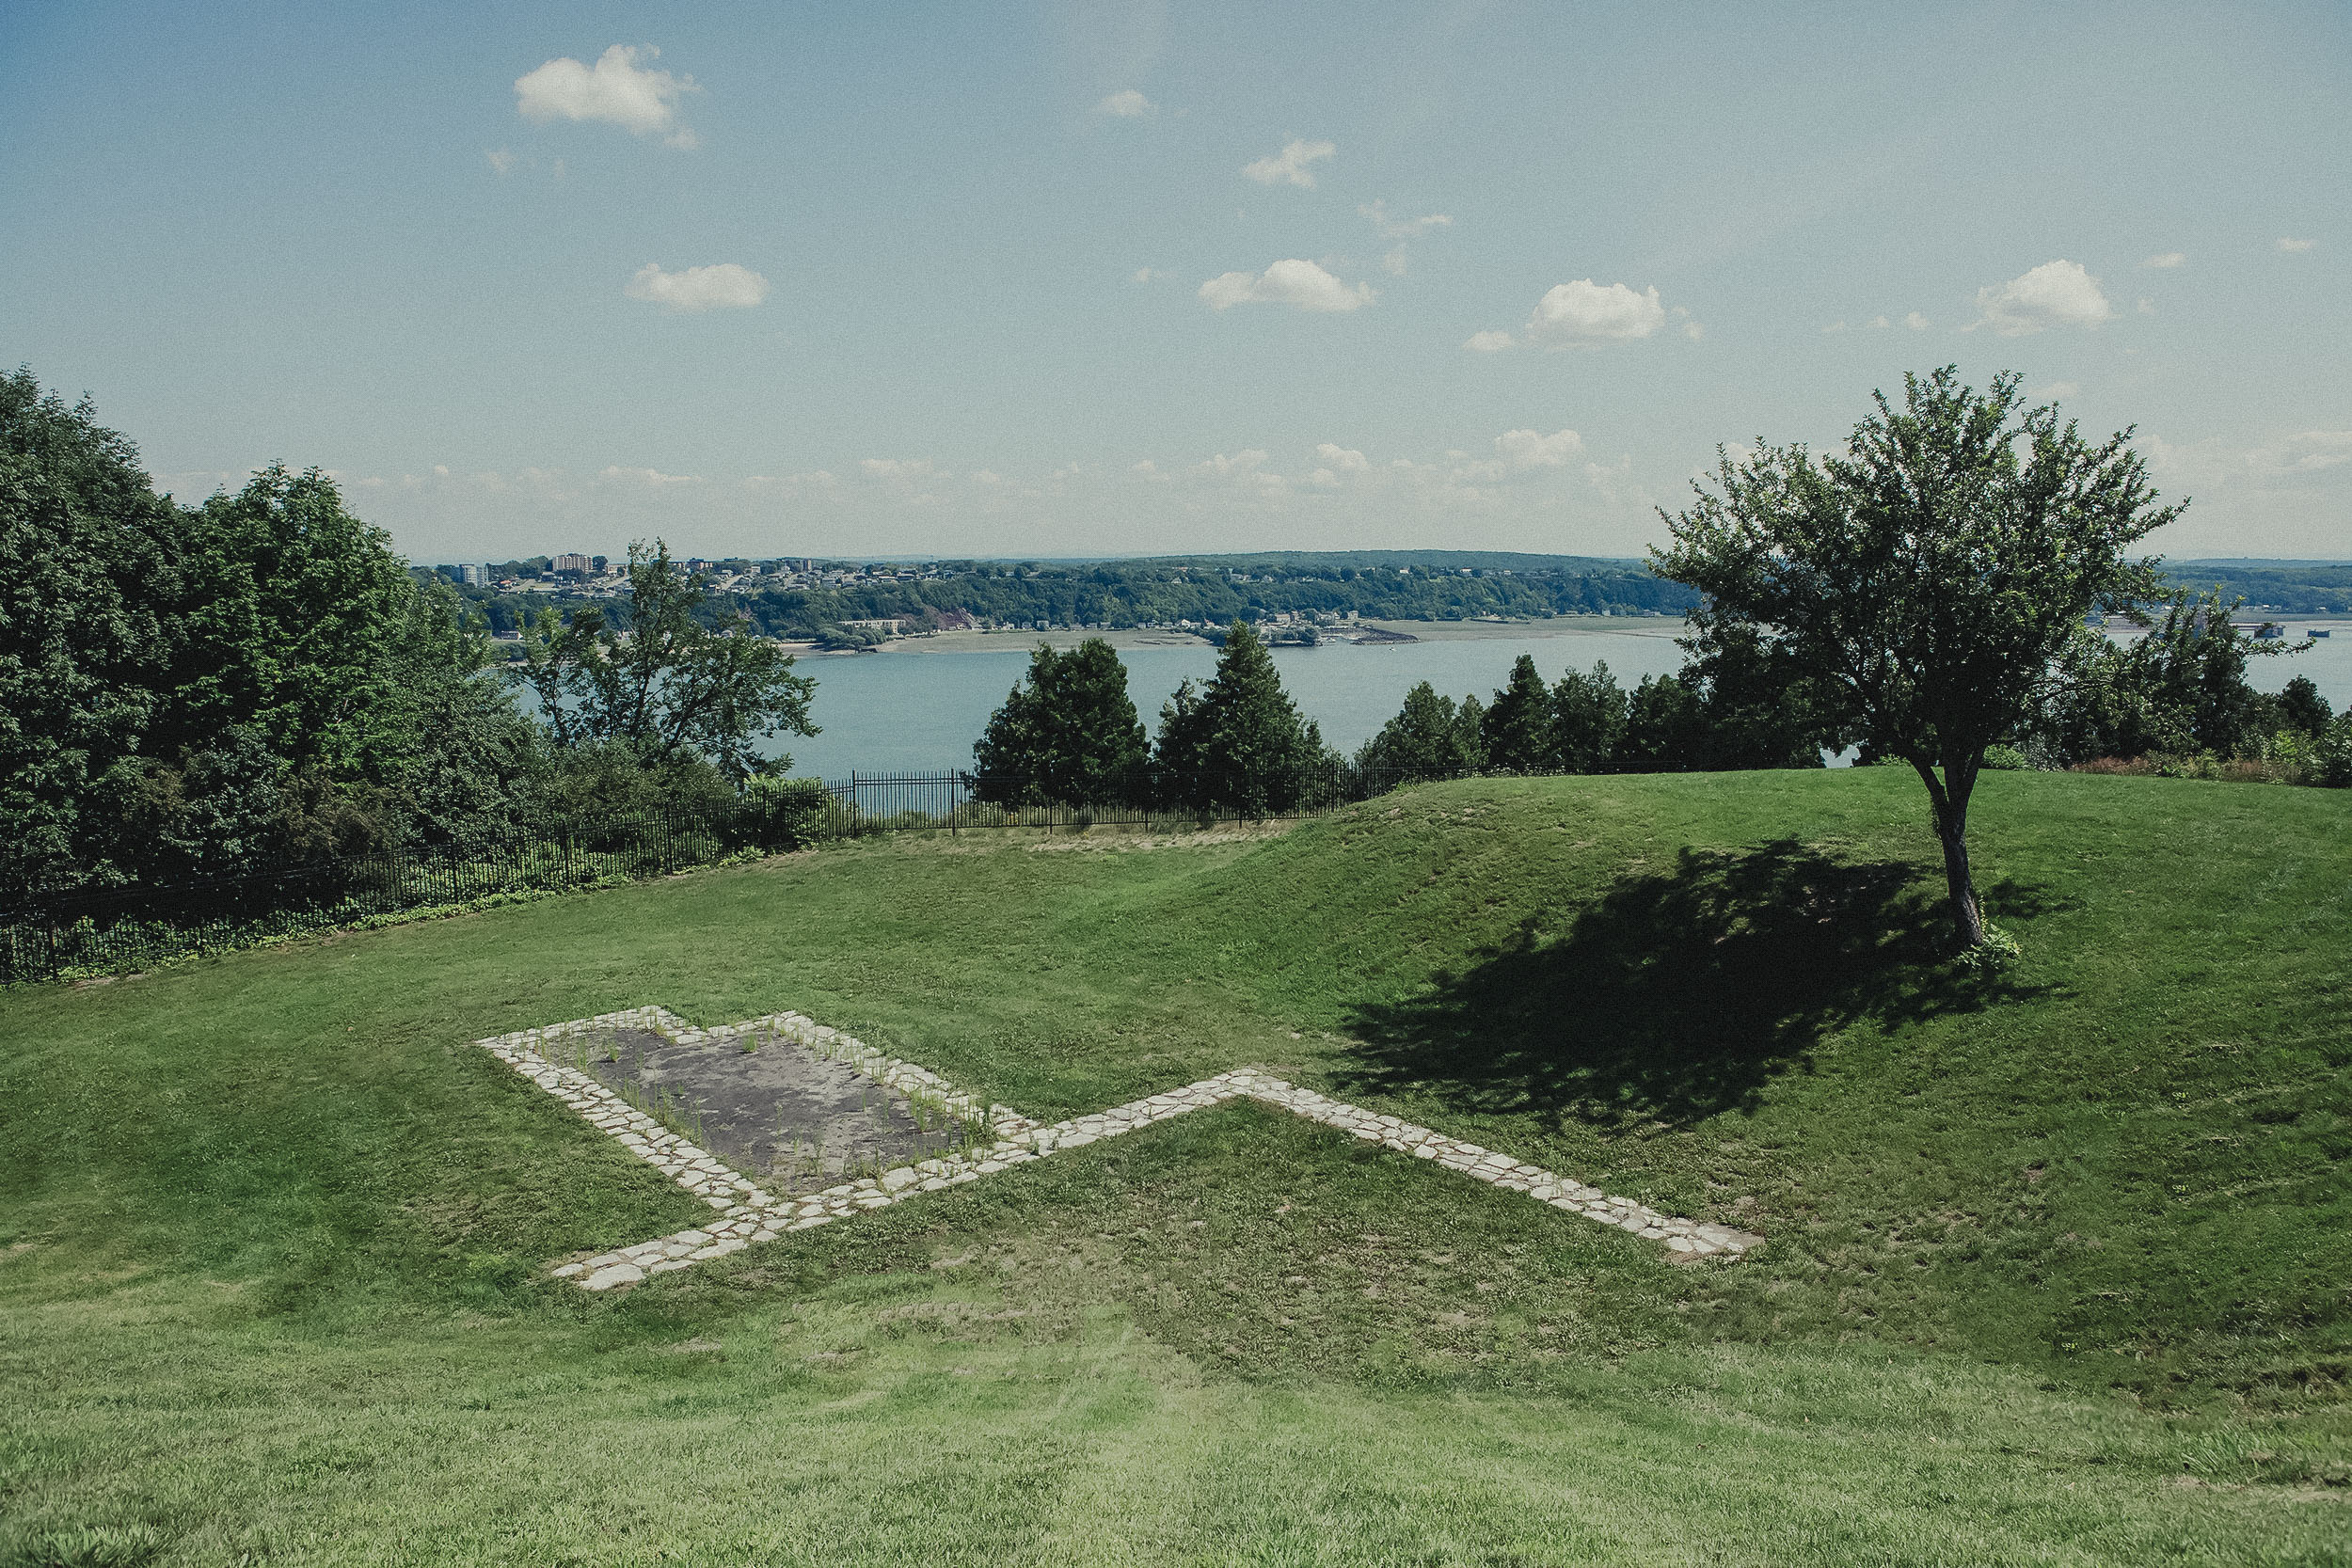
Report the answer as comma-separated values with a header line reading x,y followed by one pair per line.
x,y
2058,1264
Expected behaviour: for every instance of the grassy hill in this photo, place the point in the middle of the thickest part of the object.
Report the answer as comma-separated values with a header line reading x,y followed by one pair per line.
x,y
2060,1265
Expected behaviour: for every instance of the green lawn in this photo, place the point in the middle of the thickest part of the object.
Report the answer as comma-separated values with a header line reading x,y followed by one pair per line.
x,y
2060,1265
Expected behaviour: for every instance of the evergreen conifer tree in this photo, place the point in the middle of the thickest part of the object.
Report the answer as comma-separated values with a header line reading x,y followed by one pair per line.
x,y
1425,741
1515,730
1240,743
1588,718
1070,735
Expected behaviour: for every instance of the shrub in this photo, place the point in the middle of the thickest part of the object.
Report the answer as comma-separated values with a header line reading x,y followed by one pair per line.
x,y
795,810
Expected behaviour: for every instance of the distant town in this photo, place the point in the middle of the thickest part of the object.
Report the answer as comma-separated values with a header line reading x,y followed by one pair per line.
x,y
1294,597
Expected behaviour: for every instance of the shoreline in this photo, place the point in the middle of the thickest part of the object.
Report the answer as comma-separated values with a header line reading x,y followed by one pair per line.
x,y
1418,631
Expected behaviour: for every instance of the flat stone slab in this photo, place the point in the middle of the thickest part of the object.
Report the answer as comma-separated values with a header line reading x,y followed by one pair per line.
x,y
996,1139
768,1104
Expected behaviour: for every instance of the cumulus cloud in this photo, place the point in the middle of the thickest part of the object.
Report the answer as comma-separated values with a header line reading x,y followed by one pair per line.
x,y
1289,167
2165,261
724,287
1488,342
1402,229
1299,284
1916,322
2056,294
1527,448
651,479
897,467
501,159
1345,459
1145,274
2274,463
1584,313
616,90
1129,104
2286,244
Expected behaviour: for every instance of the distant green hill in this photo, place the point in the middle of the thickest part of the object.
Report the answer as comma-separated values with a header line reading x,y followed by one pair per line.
x,y
2293,587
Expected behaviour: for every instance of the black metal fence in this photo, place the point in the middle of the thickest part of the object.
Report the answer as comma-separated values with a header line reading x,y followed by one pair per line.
x,y
954,802
84,931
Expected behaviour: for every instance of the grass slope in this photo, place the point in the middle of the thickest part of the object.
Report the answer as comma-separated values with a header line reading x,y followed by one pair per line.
x,y
2058,1268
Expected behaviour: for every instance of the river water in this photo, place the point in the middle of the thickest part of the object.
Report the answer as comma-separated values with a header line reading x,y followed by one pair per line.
x,y
909,709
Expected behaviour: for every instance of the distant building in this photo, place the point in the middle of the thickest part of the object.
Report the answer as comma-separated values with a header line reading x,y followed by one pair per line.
x,y
473,576
568,563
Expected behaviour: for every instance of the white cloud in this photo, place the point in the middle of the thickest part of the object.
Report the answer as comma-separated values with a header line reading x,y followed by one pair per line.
x,y
2214,462
2056,294
1240,463
1393,262
1879,323
1129,104
1837,325
1402,229
1289,167
617,92
2165,262
2286,244
500,160
1526,448
724,287
897,467
1299,284
2053,392
2147,307
651,479
1488,342
1345,459
1584,312
1916,322
1145,274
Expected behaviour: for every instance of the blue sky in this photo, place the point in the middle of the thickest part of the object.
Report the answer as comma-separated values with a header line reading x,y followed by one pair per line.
x,y
1109,278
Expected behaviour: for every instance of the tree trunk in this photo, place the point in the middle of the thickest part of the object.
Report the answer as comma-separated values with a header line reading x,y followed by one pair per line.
x,y
1951,830
1968,920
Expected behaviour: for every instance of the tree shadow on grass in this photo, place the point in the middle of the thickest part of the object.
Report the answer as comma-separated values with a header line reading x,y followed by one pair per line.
x,y
1679,994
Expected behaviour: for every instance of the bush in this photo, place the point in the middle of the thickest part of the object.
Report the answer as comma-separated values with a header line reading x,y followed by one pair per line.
x,y
2329,757
795,810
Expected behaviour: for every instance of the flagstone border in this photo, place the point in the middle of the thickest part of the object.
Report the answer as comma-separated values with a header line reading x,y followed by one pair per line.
x,y
747,1212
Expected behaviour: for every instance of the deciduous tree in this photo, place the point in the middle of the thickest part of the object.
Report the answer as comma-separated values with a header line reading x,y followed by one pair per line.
x,y
668,685
1925,578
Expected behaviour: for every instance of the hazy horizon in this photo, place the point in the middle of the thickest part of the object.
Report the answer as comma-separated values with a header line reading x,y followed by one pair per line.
x,y
1114,280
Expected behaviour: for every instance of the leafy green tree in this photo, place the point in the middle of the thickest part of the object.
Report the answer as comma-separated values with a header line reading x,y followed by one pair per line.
x,y
1515,730
1666,728
1070,733
293,609
2178,689
669,686
1469,726
89,591
1758,710
2302,709
1240,742
1928,577
1425,741
1589,714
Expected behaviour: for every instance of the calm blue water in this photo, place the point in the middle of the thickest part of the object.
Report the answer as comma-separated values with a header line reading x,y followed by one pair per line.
x,y
898,711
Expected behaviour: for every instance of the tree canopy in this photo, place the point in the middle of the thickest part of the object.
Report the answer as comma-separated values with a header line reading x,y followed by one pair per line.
x,y
1069,733
1926,578
669,686
1239,742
